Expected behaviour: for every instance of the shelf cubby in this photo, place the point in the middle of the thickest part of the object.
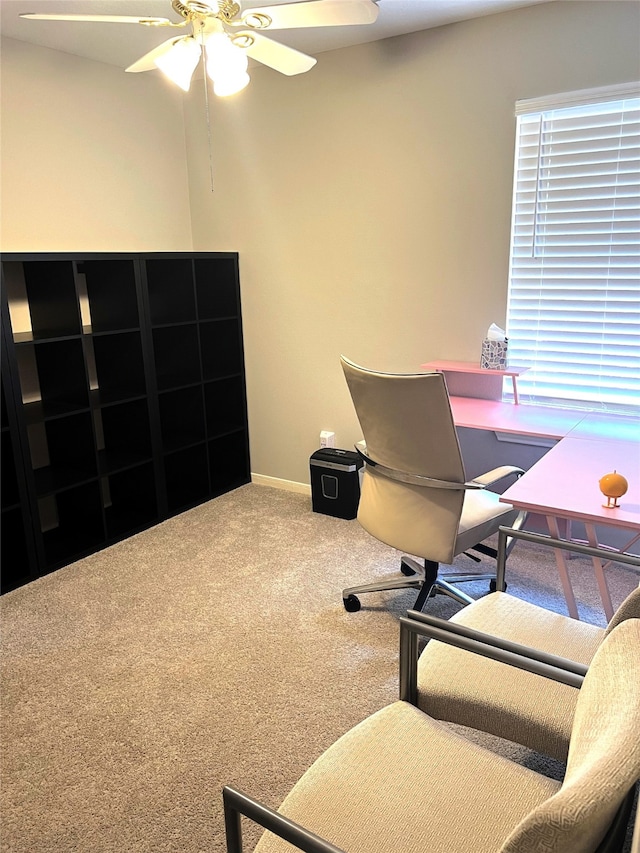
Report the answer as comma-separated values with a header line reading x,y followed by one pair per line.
x,y
14,552
10,493
51,295
119,366
187,478
54,375
181,418
170,290
4,412
71,523
221,349
17,556
228,462
112,294
70,449
130,500
216,289
176,356
125,435
224,405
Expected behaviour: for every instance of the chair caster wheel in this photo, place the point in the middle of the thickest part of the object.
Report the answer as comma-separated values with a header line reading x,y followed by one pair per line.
x,y
493,585
406,569
351,604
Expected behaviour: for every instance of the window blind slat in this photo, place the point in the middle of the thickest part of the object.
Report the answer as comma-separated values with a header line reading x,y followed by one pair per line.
x,y
574,272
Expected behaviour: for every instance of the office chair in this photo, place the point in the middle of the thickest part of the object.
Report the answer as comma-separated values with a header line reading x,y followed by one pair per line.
x,y
415,496
454,686
360,794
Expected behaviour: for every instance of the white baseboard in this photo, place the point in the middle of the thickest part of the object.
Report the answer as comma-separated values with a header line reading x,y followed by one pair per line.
x,y
277,483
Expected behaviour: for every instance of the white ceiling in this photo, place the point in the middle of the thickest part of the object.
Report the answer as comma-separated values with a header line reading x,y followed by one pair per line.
x,y
122,44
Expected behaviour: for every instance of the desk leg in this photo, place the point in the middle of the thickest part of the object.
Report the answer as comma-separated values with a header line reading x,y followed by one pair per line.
x,y
599,572
561,563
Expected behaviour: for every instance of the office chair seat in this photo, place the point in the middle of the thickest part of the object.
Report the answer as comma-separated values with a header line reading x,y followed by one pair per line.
x,y
482,514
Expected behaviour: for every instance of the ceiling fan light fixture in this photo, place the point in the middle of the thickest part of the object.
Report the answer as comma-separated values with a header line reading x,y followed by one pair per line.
x,y
230,85
226,65
224,59
179,63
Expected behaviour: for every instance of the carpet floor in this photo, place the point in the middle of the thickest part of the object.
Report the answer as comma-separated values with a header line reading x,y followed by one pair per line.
x,y
210,649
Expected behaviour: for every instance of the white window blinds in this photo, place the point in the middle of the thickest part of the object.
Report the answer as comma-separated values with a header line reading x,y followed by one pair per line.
x,y
574,278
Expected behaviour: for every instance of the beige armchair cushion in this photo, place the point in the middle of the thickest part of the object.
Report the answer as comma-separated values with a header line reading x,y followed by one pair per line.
x,y
401,781
459,687
604,755
629,609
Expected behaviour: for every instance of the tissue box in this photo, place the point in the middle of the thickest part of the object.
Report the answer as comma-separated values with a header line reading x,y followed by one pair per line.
x,y
494,355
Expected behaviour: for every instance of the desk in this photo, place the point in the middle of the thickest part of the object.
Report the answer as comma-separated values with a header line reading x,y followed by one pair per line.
x,y
497,416
602,426
563,486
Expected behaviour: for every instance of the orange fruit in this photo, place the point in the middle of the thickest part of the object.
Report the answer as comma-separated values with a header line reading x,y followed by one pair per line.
x,y
613,485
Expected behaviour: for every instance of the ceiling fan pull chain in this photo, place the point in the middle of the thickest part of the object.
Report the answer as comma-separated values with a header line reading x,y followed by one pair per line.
x,y
206,108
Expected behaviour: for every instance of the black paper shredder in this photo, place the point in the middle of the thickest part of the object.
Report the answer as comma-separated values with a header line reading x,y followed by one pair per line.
x,y
335,482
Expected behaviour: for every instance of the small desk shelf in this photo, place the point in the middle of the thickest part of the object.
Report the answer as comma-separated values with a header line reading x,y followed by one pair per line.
x,y
472,367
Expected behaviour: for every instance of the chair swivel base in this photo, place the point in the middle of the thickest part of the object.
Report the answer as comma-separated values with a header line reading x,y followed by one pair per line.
x,y
415,576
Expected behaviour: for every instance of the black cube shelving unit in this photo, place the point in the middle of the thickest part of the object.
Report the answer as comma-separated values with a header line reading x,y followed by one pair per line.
x,y
123,398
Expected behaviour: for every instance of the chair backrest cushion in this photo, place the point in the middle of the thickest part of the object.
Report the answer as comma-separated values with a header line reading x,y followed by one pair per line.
x,y
629,609
604,754
407,425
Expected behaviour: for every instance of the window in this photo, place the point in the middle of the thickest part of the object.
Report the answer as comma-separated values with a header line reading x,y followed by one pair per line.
x,y
574,275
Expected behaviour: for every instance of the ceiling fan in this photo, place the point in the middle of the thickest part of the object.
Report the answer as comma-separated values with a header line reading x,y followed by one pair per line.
x,y
225,36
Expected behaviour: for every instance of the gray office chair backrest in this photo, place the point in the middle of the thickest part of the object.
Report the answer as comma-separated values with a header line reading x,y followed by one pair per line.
x,y
407,426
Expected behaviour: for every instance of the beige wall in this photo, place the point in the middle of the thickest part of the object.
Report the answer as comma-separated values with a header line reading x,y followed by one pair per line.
x,y
369,199
370,202
92,159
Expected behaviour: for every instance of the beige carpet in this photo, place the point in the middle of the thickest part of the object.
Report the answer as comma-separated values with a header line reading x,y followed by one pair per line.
x,y
211,649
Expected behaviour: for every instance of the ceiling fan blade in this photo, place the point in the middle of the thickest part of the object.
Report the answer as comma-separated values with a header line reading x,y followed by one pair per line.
x,y
109,19
148,61
316,13
278,56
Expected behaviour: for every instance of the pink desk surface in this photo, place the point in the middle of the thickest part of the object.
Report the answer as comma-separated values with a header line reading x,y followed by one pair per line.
x,y
599,425
564,483
540,421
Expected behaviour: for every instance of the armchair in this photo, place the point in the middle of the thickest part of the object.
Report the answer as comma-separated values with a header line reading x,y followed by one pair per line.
x,y
415,496
453,686
360,795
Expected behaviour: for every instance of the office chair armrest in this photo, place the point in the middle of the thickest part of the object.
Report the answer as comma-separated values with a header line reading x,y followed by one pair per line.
x,y
497,474
237,804
541,663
